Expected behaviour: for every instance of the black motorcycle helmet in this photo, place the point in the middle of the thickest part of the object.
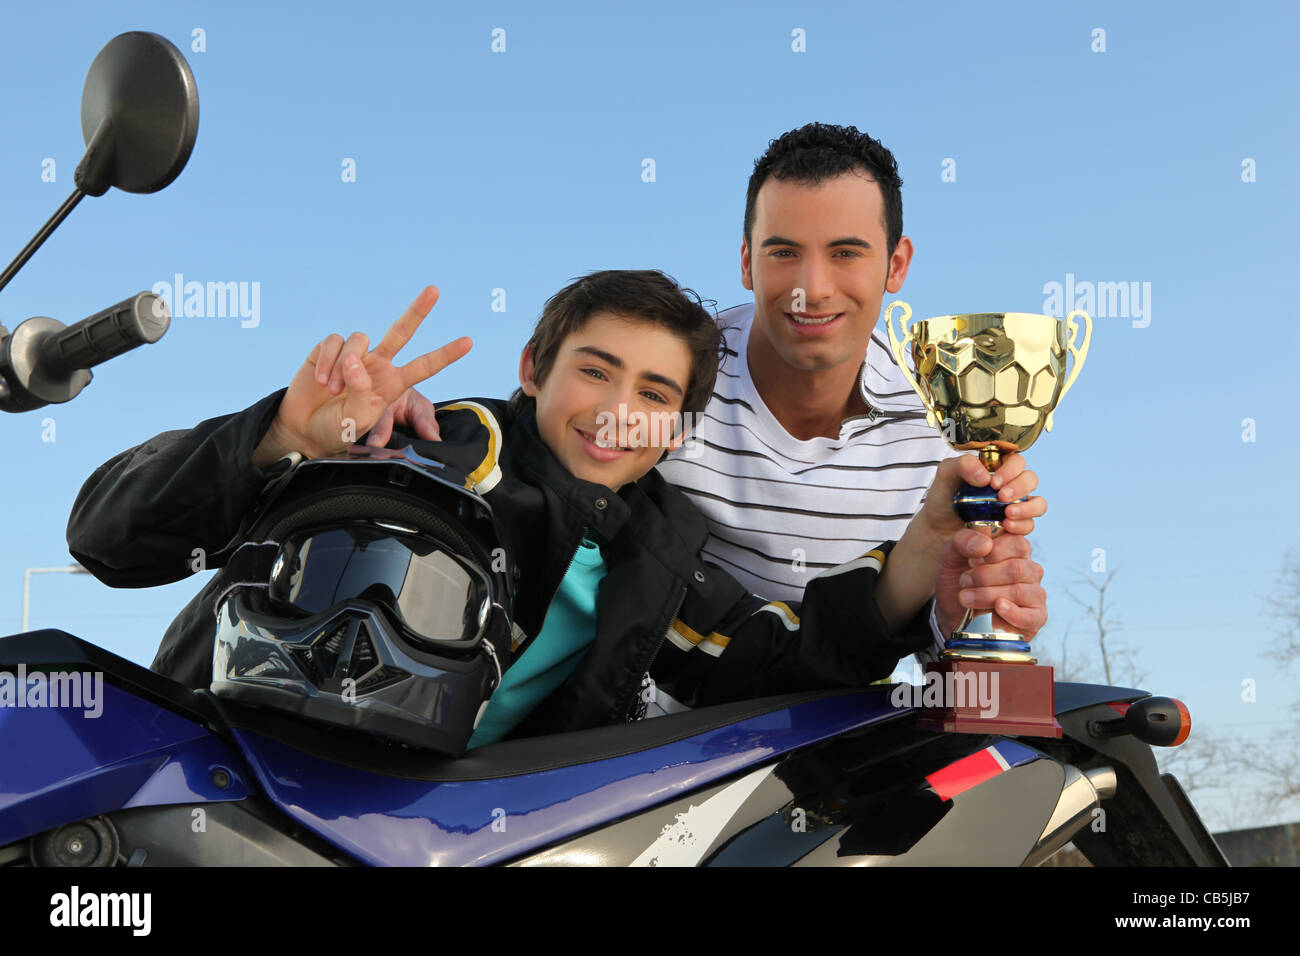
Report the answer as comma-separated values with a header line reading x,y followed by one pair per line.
x,y
372,591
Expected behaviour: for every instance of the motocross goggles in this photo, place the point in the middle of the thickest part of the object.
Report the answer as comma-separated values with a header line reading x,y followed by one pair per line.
x,y
439,599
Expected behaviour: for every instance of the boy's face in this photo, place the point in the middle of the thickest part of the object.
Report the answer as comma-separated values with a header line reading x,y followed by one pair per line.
x,y
615,382
819,268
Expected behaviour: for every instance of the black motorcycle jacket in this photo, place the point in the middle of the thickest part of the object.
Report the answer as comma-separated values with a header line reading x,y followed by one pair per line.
x,y
670,626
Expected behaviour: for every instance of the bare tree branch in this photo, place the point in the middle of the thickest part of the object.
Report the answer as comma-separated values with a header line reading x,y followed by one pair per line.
x,y
1111,657
1284,607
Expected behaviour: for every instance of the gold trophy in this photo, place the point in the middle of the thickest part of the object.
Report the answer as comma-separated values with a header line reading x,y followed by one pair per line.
x,y
990,381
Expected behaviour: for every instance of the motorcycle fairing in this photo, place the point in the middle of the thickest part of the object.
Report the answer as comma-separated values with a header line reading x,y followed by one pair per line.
x,y
1071,697
859,799
972,770
58,766
1017,802
513,798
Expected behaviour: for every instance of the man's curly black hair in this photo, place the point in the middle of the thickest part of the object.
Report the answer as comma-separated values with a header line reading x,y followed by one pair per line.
x,y
817,152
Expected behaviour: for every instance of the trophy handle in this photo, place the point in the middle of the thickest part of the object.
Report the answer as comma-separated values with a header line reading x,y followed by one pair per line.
x,y
1079,353
897,342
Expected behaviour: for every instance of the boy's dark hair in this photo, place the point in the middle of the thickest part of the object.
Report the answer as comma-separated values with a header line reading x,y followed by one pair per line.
x,y
814,153
645,294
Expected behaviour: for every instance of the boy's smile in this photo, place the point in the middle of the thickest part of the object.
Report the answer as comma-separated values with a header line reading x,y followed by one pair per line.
x,y
612,380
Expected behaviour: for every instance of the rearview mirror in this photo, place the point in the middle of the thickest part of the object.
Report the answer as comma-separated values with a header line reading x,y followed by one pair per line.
x,y
139,116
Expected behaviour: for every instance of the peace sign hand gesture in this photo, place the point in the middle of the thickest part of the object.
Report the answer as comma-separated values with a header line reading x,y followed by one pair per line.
x,y
342,390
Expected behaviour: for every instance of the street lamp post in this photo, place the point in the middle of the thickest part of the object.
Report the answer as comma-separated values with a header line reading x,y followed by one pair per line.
x,y
27,580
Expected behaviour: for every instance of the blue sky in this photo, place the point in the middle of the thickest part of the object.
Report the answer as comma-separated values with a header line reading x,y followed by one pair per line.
x,y
517,170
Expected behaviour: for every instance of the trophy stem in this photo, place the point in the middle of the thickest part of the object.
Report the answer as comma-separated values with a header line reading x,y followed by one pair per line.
x,y
990,457
976,639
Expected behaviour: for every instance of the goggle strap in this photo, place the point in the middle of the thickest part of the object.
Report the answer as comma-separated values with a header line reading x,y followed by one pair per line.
x,y
216,605
251,563
248,567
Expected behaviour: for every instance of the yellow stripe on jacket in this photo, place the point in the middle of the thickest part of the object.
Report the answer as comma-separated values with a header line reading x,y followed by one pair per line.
x,y
684,637
486,475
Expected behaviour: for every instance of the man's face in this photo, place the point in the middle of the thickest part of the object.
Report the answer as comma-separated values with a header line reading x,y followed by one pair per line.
x,y
819,268
605,407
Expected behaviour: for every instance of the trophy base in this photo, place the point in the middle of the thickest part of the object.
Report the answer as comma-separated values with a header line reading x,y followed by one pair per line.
x,y
988,697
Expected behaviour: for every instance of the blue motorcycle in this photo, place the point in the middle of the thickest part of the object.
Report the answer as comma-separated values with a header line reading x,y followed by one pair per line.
x,y
105,763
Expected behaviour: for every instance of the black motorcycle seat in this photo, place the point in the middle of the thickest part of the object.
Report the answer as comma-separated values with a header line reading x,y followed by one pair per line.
x,y
510,757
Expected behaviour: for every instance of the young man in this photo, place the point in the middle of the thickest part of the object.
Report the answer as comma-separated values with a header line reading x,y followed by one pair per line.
x,y
612,586
814,441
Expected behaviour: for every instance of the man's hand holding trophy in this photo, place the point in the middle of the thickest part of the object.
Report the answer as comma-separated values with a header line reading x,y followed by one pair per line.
x,y
990,381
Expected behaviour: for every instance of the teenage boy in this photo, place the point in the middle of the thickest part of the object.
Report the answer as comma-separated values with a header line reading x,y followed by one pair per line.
x,y
612,586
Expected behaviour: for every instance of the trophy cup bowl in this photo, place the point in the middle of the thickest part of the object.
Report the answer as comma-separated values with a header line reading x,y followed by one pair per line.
x,y
991,382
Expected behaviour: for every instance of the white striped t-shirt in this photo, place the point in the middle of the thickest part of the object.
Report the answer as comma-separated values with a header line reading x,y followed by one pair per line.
x,y
781,510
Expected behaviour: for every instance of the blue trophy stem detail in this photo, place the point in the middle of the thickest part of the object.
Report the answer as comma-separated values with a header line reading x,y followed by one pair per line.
x,y
977,637
978,504
975,644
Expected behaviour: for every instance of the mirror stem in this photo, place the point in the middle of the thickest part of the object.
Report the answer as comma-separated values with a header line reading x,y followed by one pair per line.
x,y
29,250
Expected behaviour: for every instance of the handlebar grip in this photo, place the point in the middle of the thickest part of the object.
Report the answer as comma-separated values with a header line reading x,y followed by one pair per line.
x,y
136,321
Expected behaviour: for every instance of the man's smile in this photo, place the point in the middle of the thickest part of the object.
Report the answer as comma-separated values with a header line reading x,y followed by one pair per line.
x,y
807,323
